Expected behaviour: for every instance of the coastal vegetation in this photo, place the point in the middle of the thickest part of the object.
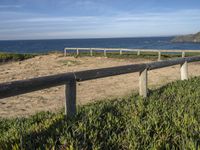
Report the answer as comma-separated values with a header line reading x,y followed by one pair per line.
x,y
167,119
195,38
6,57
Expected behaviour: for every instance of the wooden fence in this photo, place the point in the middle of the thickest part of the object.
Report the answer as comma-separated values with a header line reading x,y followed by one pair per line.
x,y
121,50
69,80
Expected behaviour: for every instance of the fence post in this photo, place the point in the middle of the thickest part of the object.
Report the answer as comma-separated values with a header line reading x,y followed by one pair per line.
x,y
120,52
138,52
183,54
184,71
105,52
77,51
91,54
65,53
159,55
70,98
143,83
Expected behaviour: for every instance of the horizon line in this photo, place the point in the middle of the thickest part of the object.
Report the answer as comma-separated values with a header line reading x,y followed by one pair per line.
x,y
89,38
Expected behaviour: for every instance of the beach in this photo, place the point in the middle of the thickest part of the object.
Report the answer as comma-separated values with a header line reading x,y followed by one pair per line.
x,y
52,99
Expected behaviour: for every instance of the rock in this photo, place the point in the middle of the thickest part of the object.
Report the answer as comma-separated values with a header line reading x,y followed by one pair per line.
x,y
194,38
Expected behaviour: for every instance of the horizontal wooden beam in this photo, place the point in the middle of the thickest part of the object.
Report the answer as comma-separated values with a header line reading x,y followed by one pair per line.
x,y
167,63
14,88
106,72
25,86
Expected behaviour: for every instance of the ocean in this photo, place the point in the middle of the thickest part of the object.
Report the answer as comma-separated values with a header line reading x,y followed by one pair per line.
x,y
44,46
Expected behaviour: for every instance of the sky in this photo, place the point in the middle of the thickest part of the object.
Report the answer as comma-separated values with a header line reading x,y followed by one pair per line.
x,y
66,19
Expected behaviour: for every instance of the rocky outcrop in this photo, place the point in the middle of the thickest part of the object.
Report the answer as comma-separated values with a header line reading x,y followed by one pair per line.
x,y
195,38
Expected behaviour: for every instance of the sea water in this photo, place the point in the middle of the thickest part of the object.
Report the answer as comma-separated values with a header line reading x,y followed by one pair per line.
x,y
44,46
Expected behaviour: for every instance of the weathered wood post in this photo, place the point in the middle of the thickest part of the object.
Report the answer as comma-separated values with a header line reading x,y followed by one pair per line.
x,y
184,71
143,83
77,51
183,54
91,52
120,51
105,52
138,52
159,55
70,98
65,52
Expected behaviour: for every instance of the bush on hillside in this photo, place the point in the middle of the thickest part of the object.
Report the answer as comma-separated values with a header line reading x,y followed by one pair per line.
x,y
5,57
168,119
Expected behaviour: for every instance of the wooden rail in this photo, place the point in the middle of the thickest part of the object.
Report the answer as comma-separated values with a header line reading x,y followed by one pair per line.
x,y
121,50
14,88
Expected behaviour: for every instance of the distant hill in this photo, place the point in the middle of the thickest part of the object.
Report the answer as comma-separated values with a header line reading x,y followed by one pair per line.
x,y
195,38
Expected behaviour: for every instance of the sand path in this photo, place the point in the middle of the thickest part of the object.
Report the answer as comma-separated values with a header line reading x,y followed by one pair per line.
x,y
53,99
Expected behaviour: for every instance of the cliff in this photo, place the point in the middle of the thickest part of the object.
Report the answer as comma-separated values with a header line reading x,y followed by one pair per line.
x,y
188,38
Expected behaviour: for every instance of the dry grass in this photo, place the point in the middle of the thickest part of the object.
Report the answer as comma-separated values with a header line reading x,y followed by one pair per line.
x,y
53,99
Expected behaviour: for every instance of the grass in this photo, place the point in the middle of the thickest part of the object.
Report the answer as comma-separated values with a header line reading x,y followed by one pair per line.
x,y
6,57
168,119
145,55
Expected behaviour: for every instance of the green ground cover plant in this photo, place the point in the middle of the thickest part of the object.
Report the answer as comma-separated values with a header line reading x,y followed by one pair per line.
x,y
168,119
5,57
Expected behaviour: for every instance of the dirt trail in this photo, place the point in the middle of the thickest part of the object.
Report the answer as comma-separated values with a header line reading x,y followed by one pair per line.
x,y
53,99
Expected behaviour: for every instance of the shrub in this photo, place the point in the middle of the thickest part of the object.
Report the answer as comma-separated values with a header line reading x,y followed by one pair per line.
x,y
5,57
168,119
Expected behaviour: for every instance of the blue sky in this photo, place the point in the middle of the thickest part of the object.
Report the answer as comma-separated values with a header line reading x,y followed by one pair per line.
x,y
58,19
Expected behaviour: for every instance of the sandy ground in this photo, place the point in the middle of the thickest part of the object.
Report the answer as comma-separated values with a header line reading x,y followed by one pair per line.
x,y
53,99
